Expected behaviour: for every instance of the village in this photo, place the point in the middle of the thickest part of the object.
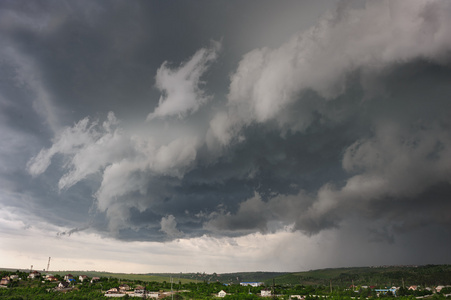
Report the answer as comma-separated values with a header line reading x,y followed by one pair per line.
x,y
114,287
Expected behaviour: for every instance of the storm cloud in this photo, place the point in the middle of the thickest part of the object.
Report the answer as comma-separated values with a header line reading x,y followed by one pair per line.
x,y
342,125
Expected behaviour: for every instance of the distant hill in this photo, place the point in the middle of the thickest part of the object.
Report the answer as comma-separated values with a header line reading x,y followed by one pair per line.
x,y
377,276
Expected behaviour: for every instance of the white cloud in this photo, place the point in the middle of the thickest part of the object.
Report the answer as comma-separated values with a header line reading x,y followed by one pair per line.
x,y
267,81
181,91
88,251
126,162
169,226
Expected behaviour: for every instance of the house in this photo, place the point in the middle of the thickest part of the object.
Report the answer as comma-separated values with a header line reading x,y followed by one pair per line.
x,y
82,278
439,288
113,291
155,295
139,289
68,276
63,285
94,279
299,297
124,287
254,284
14,276
222,294
265,293
34,274
52,278
413,288
385,291
5,280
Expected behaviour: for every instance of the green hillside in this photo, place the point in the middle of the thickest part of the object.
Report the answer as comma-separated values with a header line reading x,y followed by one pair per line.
x,y
377,276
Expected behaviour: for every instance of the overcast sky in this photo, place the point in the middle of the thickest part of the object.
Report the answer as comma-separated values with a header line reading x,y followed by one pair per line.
x,y
224,136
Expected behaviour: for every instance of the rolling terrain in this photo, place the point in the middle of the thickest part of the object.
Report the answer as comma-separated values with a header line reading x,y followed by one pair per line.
x,y
369,276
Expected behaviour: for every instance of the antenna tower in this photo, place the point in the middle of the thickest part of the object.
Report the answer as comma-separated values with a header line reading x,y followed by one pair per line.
x,y
48,265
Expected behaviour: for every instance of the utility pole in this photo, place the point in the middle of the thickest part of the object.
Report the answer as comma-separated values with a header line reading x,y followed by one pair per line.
x,y
273,288
172,292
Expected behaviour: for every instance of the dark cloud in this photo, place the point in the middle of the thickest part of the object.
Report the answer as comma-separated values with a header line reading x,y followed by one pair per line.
x,y
315,130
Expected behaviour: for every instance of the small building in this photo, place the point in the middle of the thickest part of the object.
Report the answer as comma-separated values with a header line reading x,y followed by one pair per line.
x,y
63,284
139,289
82,278
124,287
154,295
113,291
265,293
222,294
68,276
51,278
5,280
254,284
34,274
94,279
14,276
385,291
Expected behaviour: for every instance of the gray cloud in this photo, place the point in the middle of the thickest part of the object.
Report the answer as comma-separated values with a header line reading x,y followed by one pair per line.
x,y
134,124
169,226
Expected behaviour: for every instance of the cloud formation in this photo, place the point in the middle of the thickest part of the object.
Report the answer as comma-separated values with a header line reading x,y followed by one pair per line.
x,y
342,130
268,82
180,87
312,74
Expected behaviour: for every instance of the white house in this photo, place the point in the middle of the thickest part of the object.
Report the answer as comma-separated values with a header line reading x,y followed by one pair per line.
x,y
222,294
82,278
155,295
34,274
265,293
68,276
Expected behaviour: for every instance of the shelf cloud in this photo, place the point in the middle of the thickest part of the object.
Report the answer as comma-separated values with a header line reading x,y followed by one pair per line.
x,y
148,134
